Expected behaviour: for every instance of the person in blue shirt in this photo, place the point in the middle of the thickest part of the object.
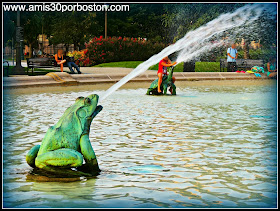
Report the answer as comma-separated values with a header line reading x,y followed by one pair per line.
x,y
231,58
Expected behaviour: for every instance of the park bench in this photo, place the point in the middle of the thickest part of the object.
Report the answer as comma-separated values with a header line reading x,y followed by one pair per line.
x,y
242,64
43,62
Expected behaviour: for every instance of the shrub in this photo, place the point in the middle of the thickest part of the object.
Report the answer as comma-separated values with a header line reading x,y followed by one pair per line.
x,y
79,57
260,53
113,49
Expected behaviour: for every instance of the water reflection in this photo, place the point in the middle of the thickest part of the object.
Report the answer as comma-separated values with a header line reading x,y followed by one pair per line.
x,y
206,147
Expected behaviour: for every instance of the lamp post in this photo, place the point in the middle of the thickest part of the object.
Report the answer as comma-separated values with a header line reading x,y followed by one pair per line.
x,y
105,24
13,50
18,69
106,5
42,49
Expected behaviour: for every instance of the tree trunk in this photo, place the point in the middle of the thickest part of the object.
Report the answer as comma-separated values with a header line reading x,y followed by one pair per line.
x,y
246,49
75,46
67,48
30,51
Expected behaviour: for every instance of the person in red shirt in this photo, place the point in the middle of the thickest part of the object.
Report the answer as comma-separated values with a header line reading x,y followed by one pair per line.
x,y
162,70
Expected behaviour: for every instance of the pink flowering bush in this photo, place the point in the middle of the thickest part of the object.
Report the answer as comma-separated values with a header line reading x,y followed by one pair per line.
x,y
114,49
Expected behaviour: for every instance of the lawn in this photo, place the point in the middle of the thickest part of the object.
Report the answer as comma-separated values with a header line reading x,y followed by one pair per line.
x,y
127,64
199,66
207,67
134,64
37,71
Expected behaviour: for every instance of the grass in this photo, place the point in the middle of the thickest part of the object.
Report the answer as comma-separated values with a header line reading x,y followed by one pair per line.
x,y
134,64
207,67
127,64
199,66
36,71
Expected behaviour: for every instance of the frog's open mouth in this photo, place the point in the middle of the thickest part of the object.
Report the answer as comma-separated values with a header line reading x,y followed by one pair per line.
x,y
96,111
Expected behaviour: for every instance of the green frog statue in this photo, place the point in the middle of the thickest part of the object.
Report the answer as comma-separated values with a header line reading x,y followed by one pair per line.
x,y
166,82
66,148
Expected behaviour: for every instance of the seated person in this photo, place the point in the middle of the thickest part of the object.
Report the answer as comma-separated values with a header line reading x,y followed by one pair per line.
x,y
272,68
162,70
39,53
257,69
71,63
59,59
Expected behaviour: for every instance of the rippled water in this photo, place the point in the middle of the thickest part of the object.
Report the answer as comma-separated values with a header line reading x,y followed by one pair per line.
x,y
209,146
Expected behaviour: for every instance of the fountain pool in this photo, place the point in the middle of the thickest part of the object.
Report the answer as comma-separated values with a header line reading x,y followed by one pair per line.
x,y
213,145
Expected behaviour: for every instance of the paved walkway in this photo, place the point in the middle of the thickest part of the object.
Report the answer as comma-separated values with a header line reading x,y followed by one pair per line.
x,y
97,75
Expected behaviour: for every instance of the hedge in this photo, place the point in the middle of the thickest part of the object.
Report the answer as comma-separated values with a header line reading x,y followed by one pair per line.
x,y
114,49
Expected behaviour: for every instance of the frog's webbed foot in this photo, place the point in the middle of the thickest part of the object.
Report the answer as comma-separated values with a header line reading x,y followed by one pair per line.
x,y
60,158
31,155
60,162
91,164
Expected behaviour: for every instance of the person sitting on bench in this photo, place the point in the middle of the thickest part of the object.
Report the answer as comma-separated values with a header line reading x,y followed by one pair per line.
x,y
272,68
71,63
59,59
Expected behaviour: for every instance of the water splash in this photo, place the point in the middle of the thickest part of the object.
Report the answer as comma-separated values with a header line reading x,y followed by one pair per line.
x,y
199,41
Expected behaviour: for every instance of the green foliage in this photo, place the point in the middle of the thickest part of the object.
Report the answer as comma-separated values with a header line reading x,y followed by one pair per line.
x,y
207,66
199,66
32,26
261,53
263,29
182,18
8,28
73,28
142,20
159,23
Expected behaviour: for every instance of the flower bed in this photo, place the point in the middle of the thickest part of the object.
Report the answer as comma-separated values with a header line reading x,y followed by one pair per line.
x,y
113,49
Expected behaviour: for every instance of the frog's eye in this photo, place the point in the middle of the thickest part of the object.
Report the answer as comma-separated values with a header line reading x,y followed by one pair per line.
x,y
87,101
79,98
82,113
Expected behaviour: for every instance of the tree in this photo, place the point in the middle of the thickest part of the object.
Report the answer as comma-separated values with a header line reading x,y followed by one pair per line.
x,y
8,27
182,18
70,28
263,29
31,23
142,20
32,26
